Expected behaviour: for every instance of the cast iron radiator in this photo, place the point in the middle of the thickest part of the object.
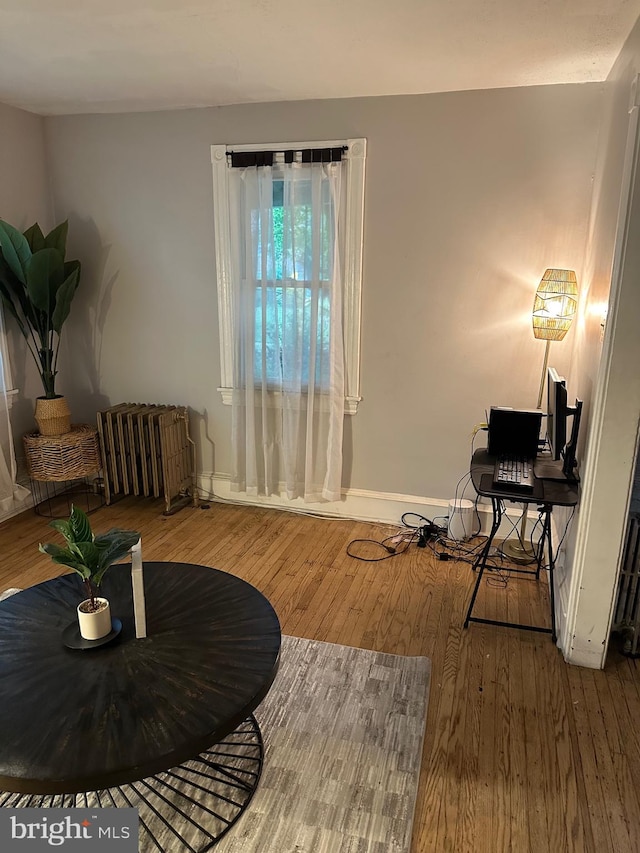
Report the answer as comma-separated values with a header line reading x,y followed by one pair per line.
x,y
626,617
147,451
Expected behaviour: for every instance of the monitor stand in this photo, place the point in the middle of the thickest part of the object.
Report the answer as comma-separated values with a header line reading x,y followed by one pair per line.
x,y
549,469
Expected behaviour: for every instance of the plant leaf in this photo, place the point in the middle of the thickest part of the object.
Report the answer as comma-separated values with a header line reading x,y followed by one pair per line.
x,y
13,289
8,302
14,293
15,249
63,528
44,276
15,286
116,544
64,296
80,526
113,546
66,558
89,554
70,266
57,238
34,237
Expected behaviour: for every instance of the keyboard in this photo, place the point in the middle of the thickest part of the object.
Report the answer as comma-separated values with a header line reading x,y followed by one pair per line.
x,y
514,472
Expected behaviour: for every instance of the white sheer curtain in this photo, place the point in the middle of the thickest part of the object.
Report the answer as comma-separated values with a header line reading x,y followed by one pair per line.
x,y
10,492
288,388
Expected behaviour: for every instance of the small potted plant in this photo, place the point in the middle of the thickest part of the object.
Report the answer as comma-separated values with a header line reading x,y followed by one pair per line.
x,y
90,556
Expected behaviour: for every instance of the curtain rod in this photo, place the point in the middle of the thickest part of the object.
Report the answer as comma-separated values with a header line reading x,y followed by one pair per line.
x,y
242,159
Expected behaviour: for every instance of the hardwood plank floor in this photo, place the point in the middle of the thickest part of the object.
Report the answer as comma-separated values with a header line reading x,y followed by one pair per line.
x,y
522,752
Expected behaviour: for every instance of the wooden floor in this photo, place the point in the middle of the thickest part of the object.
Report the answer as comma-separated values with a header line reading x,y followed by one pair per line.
x,y
522,752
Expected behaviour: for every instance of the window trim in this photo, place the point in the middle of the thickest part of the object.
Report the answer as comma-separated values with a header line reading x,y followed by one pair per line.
x,y
352,262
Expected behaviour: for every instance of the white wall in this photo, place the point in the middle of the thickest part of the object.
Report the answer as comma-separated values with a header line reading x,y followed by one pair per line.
x,y
608,372
469,197
24,199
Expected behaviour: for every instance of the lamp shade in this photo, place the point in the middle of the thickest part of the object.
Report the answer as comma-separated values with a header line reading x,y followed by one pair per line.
x,y
555,304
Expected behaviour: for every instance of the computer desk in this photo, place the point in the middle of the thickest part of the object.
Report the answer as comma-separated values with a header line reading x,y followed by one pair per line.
x,y
546,494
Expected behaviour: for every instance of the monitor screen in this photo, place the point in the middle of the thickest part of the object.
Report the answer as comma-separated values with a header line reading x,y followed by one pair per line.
x,y
556,413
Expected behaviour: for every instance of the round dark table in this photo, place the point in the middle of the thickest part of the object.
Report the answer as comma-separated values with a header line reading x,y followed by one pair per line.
x,y
85,720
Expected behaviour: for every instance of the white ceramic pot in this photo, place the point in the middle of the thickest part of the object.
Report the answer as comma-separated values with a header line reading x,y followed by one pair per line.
x,y
94,625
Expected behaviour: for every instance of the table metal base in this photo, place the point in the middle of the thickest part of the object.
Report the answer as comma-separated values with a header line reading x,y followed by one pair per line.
x,y
189,807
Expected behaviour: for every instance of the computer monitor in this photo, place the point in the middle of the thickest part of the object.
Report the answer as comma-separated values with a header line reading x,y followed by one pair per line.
x,y
570,460
556,413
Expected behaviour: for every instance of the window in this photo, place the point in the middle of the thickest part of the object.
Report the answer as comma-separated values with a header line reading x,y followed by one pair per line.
x,y
308,227
299,253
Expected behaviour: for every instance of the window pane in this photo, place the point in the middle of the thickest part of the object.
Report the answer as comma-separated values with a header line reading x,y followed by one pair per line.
x,y
289,254
293,245
284,320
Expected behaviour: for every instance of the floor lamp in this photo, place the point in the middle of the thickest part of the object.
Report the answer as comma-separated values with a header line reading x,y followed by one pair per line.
x,y
554,307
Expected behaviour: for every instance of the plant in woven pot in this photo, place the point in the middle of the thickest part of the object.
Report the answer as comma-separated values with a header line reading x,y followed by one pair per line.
x,y
37,286
90,556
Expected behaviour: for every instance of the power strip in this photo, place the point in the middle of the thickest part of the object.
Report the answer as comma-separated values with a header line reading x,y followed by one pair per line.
x,y
427,532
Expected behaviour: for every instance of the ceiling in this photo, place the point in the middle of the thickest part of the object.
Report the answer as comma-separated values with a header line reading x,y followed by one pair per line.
x,y
83,56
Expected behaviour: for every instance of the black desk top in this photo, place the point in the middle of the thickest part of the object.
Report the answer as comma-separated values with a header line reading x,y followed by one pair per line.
x,y
554,492
76,720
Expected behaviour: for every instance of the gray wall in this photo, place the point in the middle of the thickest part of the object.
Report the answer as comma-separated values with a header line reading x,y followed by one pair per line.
x,y
469,197
25,198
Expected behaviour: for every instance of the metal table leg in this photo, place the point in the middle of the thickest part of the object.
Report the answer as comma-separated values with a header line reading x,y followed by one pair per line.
x,y
547,533
481,562
481,559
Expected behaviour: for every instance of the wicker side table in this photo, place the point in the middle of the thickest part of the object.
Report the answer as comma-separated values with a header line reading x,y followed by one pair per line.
x,y
59,467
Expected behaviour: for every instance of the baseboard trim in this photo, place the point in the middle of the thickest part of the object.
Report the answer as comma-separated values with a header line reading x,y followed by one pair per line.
x,y
360,504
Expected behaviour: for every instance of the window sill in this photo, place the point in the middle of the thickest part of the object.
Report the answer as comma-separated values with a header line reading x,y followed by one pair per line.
x,y
350,403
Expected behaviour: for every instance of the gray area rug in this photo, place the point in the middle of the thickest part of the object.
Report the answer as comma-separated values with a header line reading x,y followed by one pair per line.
x,y
343,731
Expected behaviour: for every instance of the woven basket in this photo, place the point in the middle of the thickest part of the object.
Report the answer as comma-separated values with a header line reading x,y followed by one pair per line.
x,y
63,457
52,416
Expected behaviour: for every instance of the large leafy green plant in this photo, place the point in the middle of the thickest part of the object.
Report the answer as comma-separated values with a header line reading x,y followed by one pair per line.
x,y
37,285
88,555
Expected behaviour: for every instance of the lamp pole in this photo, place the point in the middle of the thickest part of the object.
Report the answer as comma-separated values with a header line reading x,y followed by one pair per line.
x,y
544,374
554,305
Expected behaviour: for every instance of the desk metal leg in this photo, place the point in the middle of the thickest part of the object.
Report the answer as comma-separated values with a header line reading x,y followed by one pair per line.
x,y
481,562
498,512
481,559
552,594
